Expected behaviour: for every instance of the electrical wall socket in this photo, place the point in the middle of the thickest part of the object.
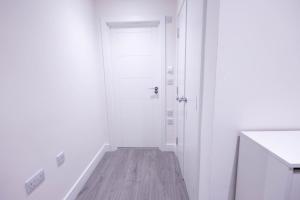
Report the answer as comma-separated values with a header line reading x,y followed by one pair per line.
x,y
170,70
60,159
170,81
33,182
170,122
170,113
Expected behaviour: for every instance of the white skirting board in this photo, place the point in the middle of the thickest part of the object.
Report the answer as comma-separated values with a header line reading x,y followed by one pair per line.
x,y
169,147
75,189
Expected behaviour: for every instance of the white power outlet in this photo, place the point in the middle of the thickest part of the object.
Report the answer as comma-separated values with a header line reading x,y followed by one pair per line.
x,y
170,122
60,158
170,81
170,70
33,182
170,113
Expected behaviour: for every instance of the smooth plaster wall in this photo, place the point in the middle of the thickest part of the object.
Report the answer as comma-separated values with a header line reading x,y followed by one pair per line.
x,y
257,79
52,94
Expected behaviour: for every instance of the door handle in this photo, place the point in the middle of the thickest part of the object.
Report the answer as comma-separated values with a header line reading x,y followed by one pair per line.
x,y
155,89
181,99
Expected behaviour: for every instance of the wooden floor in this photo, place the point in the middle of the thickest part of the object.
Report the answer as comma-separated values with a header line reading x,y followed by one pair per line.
x,y
136,174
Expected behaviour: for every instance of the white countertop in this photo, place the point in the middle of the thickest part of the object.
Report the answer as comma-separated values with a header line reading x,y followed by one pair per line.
x,y
285,145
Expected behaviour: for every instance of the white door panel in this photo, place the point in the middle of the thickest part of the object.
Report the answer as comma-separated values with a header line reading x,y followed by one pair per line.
x,y
135,68
181,75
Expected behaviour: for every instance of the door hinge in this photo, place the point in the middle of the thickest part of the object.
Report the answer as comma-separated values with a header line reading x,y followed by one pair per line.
x,y
176,141
178,32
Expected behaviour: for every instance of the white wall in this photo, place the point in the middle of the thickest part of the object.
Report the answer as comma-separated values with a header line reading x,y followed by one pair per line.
x,y
148,8
258,83
52,94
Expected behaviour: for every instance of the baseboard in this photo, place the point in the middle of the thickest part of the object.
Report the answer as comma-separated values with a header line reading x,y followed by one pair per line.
x,y
170,147
75,189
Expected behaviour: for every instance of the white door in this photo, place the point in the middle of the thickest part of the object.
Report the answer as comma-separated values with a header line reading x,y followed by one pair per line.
x,y
136,90
181,73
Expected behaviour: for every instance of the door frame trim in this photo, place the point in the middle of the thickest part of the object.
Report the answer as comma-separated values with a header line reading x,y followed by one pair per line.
x,y
152,21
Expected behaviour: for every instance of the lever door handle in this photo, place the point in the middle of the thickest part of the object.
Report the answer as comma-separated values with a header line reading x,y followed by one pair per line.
x,y
153,88
181,99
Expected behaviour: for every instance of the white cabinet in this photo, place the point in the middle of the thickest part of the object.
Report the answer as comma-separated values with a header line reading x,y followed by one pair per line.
x,y
269,166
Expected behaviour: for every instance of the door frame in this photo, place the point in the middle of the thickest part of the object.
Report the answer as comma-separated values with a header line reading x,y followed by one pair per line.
x,y
152,21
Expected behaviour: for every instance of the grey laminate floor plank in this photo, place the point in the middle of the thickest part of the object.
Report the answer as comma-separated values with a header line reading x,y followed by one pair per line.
x,y
111,190
98,177
136,174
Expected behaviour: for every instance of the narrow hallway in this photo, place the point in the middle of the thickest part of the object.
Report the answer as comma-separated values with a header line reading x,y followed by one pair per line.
x,y
136,174
150,100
